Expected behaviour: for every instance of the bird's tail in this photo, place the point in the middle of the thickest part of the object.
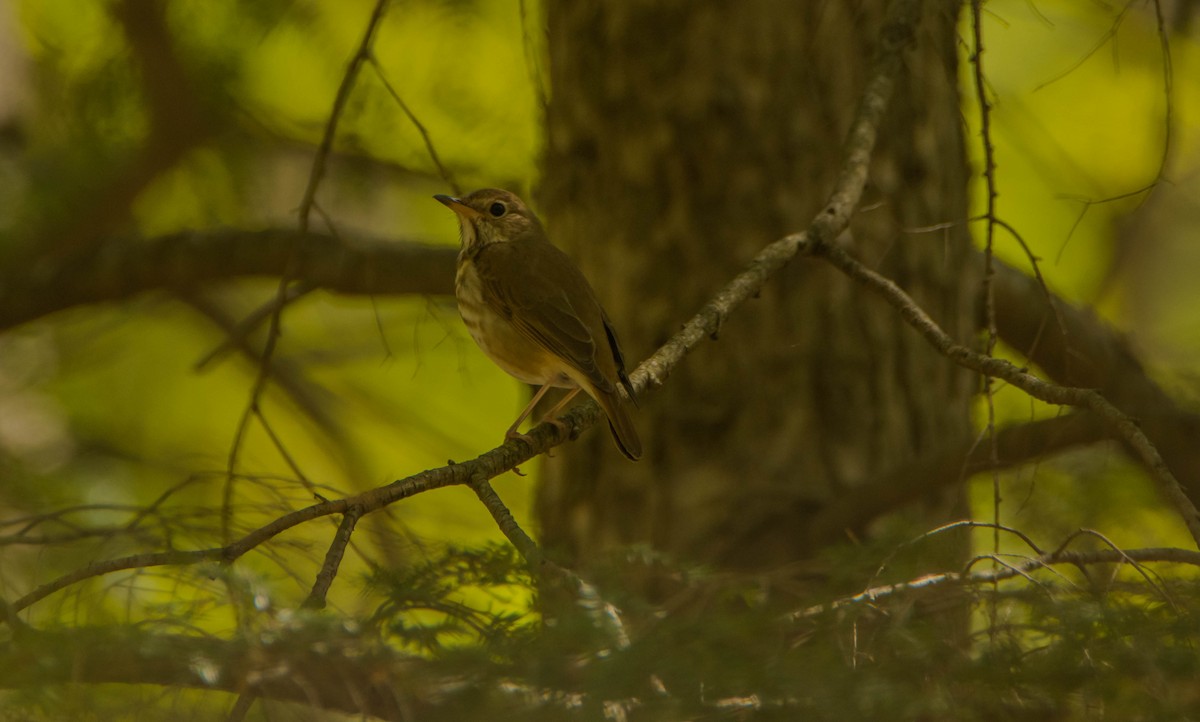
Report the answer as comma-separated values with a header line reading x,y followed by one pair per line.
x,y
621,426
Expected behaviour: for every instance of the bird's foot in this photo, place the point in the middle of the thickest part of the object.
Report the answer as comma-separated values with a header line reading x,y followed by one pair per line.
x,y
514,434
567,428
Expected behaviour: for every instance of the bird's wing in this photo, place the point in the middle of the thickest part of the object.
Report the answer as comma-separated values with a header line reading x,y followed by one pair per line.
x,y
618,357
548,300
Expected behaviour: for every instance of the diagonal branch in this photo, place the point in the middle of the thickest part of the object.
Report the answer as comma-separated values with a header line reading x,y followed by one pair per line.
x,y
832,220
1060,556
1072,345
486,466
816,240
349,77
1120,425
307,204
333,559
895,37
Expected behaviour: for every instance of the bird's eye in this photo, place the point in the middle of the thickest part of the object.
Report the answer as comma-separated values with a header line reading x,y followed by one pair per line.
x,y
497,209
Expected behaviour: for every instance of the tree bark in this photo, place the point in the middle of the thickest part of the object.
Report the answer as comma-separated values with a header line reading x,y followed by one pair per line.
x,y
682,137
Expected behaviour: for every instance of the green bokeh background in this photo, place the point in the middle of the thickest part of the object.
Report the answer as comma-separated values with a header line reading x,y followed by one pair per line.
x,y
103,406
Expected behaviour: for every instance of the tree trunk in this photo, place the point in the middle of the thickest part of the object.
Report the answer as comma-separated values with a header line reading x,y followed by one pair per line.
x,y
684,136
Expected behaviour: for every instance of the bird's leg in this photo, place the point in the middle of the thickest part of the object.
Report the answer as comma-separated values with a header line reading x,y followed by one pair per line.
x,y
551,416
512,432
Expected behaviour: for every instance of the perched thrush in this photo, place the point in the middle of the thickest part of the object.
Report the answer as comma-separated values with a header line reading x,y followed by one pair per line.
x,y
532,312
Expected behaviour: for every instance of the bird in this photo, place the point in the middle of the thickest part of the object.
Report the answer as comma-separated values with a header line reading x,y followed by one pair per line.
x,y
534,314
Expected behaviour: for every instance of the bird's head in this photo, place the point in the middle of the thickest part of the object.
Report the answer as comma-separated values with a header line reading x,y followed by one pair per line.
x,y
491,216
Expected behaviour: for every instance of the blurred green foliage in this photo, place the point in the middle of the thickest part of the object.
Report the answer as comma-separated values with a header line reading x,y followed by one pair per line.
x,y
1101,184
124,381
731,648
103,413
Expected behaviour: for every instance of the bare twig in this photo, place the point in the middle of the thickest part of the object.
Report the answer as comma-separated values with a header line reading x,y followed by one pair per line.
x,y
653,372
832,220
488,465
1087,353
1153,584
989,270
531,59
241,706
237,334
443,171
897,34
1118,423
508,526
362,55
602,612
955,526
1168,80
1101,556
307,204
333,559
309,397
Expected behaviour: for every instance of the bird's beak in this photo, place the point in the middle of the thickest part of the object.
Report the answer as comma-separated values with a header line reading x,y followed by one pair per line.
x,y
458,206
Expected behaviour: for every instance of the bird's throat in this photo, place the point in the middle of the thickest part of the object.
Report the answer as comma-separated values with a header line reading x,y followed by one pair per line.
x,y
469,237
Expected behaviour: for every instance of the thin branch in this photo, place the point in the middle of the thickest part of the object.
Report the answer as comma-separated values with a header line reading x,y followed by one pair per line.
x,y
1107,37
602,612
1101,556
1118,423
1087,353
654,371
312,399
237,334
443,171
531,60
1168,80
508,525
896,35
286,455
1145,574
1034,265
133,561
307,204
241,707
1168,71
488,465
989,269
955,526
362,55
333,559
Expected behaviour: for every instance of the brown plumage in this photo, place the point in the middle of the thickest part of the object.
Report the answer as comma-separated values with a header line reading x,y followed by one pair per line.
x,y
534,314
